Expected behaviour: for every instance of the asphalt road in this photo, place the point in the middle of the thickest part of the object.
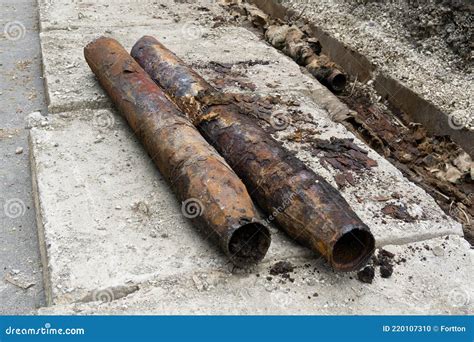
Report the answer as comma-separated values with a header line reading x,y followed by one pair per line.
x,y
21,92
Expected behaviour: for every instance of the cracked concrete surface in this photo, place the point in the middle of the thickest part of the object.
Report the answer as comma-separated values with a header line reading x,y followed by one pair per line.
x,y
113,232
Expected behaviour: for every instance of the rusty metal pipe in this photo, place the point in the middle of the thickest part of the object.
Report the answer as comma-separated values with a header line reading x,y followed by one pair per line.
x,y
301,202
336,80
212,195
306,52
328,76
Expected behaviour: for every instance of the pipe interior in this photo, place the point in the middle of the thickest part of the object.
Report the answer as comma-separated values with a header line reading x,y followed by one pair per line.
x,y
338,82
353,249
249,243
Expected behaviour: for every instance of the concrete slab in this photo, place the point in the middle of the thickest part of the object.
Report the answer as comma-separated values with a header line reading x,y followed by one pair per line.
x,y
71,85
431,277
107,216
71,15
112,230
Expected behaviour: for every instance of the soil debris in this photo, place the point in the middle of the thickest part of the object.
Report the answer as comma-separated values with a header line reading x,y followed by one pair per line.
x,y
385,260
282,267
366,275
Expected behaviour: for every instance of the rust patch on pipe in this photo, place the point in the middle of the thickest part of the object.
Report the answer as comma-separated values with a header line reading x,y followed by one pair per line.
x,y
213,196
315,213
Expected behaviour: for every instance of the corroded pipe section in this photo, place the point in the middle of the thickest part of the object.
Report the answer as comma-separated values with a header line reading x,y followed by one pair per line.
x,y
306,52
301,202
212,195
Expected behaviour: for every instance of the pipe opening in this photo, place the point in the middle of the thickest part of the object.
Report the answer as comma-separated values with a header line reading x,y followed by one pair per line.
x,y
352,250
249,244
337,81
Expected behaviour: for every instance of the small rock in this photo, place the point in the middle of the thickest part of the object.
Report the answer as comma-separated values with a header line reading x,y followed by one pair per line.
x,y
19,150
438,251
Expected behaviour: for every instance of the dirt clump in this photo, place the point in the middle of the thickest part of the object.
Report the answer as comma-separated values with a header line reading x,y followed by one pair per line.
x,y
366,275
384,259
282,268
